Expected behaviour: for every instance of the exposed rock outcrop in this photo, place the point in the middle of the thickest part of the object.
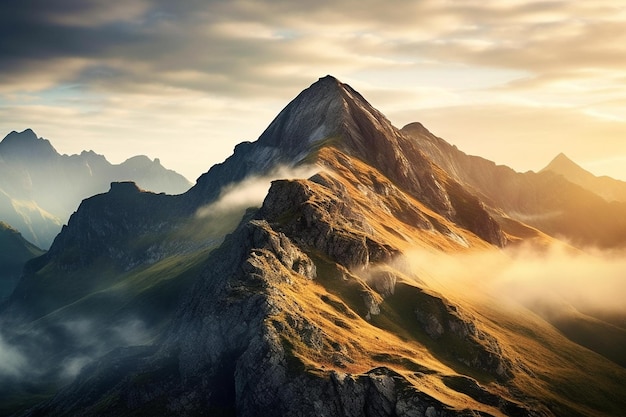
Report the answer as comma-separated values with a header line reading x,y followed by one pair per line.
x,y
311,216
451,327
103,223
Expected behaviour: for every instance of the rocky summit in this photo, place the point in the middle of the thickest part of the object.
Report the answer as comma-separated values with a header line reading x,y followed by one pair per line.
x,y
334,296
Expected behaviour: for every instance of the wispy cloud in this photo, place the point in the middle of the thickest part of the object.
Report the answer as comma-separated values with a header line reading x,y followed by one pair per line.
x,y
59,350
12,361
233,201
525,275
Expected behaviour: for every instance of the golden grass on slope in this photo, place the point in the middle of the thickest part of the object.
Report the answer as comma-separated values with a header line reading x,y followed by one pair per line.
x,y
353,345
570,378
396,217
333,304
573,379
549,370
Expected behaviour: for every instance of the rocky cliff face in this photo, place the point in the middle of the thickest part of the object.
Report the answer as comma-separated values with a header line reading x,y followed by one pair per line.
x,y
249,340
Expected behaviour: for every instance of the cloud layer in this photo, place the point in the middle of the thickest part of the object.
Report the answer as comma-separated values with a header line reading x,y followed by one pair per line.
x,y
223,215
209,74
592,281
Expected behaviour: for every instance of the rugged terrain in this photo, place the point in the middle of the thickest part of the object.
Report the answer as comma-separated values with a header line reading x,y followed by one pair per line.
x,y
331,297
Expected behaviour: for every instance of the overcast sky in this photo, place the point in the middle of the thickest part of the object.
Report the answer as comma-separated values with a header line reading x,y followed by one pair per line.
x,y
514,81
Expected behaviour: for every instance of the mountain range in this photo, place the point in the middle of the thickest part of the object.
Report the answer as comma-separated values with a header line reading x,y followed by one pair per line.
x,y
336,266
39,188
554,200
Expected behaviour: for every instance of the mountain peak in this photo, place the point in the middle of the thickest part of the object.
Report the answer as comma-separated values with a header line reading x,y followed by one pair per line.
x,y
328,110
124,187
563,165
606,187
315,114
318,115
26,144
561,157
329,79
331,114
417,128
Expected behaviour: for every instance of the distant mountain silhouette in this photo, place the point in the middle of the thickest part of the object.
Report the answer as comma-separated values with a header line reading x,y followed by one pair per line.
x,y
550,202
39,188
606,187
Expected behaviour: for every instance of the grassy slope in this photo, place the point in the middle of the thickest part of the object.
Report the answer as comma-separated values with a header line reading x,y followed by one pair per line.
x,y
570,379
549,368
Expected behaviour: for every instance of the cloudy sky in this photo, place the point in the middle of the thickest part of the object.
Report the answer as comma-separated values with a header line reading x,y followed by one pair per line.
x,y
516,81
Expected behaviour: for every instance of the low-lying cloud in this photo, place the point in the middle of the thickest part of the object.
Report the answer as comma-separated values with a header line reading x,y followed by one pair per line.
x,y
588,281
12,361
591,281
59,351
235,199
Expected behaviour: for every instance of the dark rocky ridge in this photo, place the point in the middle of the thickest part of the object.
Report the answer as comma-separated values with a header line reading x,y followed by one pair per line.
x,y
103,223
116,231
26,145
16,251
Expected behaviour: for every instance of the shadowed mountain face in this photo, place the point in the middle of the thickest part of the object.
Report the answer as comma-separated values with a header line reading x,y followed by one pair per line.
x,y
39,188
318,300
15,252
